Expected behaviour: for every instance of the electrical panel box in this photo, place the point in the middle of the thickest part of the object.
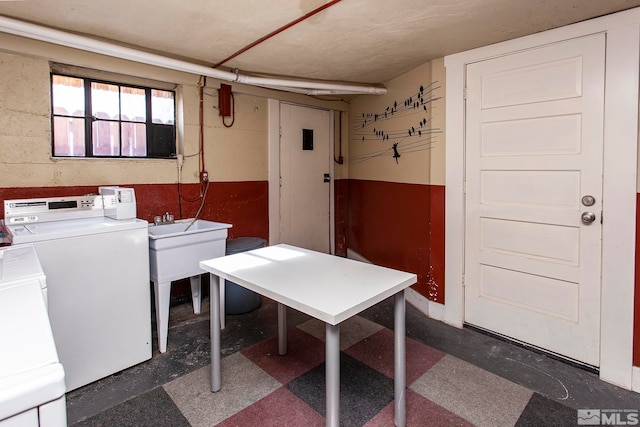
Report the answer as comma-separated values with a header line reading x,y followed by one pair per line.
x,y
224,100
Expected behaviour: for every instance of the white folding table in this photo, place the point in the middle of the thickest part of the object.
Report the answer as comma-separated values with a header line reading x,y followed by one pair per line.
x,y
329,288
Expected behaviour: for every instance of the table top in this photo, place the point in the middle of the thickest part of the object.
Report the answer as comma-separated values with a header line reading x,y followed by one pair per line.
x,y
324,286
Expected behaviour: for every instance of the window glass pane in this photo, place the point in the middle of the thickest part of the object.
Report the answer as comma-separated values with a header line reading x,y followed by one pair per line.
x,y
105,101
97,118
68,96
163,143
68,137
162,107
106,138
134,139
133,106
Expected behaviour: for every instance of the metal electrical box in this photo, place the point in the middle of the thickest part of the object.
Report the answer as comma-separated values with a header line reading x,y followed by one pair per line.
x,y
224,100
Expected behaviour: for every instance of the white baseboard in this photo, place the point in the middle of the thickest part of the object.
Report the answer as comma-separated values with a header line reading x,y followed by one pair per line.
x,y
356,256
635,379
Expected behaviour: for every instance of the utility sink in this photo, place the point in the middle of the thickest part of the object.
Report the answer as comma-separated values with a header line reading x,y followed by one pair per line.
x,y
167,236
175,253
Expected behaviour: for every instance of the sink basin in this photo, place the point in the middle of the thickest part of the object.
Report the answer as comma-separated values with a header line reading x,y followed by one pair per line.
x,y
176,254
180,228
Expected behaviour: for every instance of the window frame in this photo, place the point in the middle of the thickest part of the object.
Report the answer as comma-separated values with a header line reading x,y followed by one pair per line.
x,y
89,118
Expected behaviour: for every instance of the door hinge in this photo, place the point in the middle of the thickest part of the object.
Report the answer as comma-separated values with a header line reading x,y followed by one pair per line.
x,y
464,93
463,280
464,187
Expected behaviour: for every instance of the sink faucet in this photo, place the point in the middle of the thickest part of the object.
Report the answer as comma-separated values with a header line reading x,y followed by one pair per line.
x,y
166,218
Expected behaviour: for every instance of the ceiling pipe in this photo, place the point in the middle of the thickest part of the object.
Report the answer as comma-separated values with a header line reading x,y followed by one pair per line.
x,y
312,92
50,35
278,31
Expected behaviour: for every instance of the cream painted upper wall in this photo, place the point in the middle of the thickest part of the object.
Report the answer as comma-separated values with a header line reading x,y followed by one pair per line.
x,y
238,153
373,159
438,73
24,122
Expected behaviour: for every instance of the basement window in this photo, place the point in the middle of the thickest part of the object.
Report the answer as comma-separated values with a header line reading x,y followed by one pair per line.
x,y
100,119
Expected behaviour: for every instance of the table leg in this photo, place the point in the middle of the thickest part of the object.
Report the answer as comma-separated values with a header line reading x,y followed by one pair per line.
x,y
214,295
332,367
282,329
223,284
400,375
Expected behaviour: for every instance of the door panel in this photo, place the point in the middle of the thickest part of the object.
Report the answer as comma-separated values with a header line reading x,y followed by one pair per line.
x,y
304,160
534,135
545,81
544,295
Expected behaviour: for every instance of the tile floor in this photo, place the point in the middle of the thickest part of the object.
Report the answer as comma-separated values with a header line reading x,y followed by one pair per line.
x,y
455,377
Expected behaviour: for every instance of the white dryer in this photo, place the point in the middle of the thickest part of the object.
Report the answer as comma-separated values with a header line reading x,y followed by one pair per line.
x,y
32,387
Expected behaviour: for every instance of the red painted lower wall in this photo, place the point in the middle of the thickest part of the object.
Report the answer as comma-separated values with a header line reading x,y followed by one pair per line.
x,y
435,282
244,204
397,225
400,226
341,210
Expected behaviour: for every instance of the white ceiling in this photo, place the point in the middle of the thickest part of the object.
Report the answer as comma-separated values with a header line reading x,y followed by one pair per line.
x,y
361,41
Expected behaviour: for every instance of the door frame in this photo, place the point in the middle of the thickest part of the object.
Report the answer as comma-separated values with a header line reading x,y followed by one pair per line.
x,y
274,171
619,180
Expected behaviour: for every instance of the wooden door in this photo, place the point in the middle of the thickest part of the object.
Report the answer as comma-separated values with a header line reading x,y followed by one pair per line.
x,y
305,183
534,143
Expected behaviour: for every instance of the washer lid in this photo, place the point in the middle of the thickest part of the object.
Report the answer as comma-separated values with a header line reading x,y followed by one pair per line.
x,y
19,264
25,331
37,232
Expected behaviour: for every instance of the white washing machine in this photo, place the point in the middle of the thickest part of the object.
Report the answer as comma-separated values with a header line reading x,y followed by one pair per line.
x,y
97,270
32,383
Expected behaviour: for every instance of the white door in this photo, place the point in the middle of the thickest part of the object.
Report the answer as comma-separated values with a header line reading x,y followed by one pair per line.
x,y
305,158
534,136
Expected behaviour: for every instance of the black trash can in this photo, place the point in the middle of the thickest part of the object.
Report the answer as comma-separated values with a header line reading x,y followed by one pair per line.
x,y
239,300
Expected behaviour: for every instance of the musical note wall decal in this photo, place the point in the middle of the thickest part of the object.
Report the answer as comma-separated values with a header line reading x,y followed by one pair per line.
x,y
389,125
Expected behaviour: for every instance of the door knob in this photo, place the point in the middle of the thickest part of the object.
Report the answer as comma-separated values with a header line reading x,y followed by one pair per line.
x,y
588,217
